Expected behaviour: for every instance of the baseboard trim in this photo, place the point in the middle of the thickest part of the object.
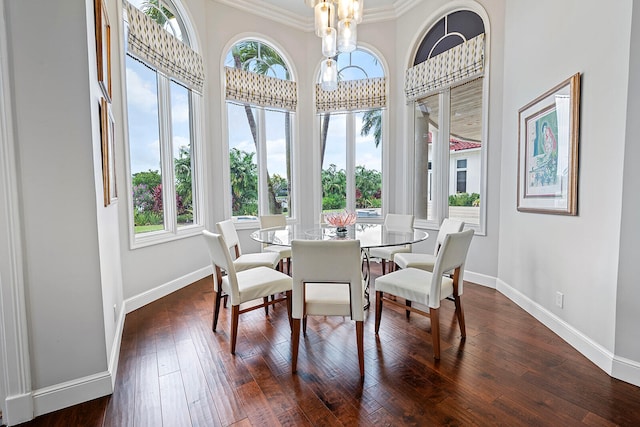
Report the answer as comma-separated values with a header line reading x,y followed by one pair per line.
x,y
18,409
158,292
70,393
480,279
114,357
626,370
593,351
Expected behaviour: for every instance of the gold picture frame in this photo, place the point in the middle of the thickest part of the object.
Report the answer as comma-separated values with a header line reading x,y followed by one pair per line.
x,y
103,48
104,148
548,134
111,156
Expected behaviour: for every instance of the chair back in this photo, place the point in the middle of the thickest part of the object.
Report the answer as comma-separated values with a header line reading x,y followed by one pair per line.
x,y
452,256
327,261
398,222
448,226
221,260
228,231
270,221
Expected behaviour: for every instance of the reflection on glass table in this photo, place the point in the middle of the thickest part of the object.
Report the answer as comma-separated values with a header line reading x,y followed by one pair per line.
x,y
370,236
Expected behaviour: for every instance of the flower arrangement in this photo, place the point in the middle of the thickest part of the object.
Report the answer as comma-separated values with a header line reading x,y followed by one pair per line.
x,y
341,219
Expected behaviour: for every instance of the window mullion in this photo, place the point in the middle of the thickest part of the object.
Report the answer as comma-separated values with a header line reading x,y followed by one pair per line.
x,y
442,178
166,154
261,154
351,160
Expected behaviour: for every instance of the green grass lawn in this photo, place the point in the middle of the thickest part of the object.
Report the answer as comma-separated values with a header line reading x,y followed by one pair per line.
x,y
147,228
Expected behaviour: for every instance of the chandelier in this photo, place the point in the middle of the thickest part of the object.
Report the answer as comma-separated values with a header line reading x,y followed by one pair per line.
x,y
338,35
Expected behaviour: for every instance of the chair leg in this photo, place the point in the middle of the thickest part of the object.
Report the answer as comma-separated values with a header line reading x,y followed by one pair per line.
x,y
384,267
460,315
435,331
225,299
235,312
304,325
408,312
288,293
295,342
217,297
360,339
378,310
266,307
289,266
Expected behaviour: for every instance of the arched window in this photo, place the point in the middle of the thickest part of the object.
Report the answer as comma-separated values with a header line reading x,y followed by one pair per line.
x,y
261,101
163,103
447,95
351,135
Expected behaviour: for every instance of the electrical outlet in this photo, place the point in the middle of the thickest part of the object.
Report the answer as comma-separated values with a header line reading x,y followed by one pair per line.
x,y
559,299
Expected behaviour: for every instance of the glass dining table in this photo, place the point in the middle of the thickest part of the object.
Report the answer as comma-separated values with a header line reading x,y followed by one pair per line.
x,y
370,235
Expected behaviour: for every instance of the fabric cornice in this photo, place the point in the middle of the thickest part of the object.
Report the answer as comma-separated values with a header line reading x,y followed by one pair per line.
x,y
150,43
353,95
257,89
459,63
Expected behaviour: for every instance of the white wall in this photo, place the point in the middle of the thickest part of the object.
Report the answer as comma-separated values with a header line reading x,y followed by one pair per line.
x,y
627,345
576,255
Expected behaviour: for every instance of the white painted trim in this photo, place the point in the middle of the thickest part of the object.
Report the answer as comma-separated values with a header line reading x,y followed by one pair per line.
x,y
19,409
480,279
593,351
158,292
72,392
15,371
626,370
114,357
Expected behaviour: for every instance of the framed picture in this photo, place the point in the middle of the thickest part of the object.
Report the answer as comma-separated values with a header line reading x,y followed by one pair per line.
x,y
548,133
103,47
111,156
104,142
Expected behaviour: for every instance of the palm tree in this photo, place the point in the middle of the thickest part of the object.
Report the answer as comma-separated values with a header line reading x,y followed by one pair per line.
x,y
372,120
259,58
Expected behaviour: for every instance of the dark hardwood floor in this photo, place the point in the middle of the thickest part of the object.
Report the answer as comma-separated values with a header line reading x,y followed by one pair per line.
x,y
510,371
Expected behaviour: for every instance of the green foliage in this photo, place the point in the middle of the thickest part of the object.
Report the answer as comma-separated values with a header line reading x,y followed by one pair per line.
x,y
368,187
464,199
184,186
333,202
147,218
372,121
150,178
244,183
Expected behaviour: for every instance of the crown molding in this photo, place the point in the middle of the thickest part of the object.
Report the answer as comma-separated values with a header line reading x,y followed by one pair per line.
x,y
305,23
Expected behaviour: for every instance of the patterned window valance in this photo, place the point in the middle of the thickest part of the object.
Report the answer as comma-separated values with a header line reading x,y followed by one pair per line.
x,y
353,95
258,89
459,63
152,44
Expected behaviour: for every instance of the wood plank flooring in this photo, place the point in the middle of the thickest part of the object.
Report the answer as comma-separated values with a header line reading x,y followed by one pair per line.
x,y
510,371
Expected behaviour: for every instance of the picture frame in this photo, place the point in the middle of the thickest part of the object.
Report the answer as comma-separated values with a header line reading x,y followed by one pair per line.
x,y
104,148
111,156
548,136
103,48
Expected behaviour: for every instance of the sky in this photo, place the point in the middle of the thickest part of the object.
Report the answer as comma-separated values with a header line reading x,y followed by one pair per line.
x,y
144,134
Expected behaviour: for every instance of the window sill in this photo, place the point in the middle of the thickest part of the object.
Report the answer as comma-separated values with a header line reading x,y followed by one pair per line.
x,y
159,237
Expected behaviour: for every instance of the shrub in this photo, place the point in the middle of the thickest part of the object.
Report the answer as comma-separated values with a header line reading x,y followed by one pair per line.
x,y
333,201
464,199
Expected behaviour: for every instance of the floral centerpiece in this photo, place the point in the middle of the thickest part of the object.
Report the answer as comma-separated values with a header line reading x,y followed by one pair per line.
x,y
341,220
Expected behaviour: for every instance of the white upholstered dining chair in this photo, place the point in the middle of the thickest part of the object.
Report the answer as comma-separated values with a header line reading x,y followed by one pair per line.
x,y
392,222
327,281
244,261
284,252
427,261
429,288
242,286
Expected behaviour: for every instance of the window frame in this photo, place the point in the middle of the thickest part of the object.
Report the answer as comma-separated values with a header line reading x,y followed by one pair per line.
x,y
439,184
261,157
351,135
170,230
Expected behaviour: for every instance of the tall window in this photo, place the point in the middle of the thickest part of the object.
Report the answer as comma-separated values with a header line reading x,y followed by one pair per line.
x,y
448,120
163,132
351,144
259,131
